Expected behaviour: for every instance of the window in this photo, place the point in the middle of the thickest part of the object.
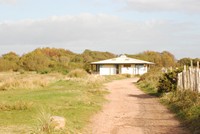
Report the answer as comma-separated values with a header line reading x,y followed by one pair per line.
x,y
127,65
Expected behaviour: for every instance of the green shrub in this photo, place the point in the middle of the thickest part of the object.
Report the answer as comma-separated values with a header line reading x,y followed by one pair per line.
x,y
77,73
149,81
168,82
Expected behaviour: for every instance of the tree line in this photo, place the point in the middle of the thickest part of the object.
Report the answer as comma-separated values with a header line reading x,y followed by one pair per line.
x,y
44,60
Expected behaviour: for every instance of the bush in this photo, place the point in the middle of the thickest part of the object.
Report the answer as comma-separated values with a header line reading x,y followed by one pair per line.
x,y
168,82
77,73
149,81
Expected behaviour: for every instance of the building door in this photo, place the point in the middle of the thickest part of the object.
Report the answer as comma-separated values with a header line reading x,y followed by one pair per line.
x,y
117,69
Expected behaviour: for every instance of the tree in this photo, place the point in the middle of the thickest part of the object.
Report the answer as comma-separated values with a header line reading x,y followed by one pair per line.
x,y
9,61
187,61
35,61
168,59
184,61
90,56
164,59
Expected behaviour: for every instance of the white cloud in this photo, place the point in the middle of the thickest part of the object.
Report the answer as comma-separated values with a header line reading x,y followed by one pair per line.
x,y
8,1
162,5
98,32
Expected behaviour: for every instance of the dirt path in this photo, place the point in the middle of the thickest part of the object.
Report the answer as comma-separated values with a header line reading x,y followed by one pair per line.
x,y
130,111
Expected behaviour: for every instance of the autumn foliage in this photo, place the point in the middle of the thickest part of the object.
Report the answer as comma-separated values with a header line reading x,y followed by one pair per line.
x,y
44,60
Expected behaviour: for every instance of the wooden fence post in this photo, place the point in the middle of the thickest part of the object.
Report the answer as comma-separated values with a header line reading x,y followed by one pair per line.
x,y
184,78
190,78
198,77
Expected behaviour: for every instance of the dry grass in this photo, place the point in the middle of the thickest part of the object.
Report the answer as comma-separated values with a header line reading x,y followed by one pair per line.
x,y
44,123
31,80
19,105
77,73
20,129
92,81
9,81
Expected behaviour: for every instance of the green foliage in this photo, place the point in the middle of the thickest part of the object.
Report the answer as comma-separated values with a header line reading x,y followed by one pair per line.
x,y
163,59
46,60
11,56
35,61
186,104
90,56
5,65
184,61
168,82
187,61
168,59
150,81
9,61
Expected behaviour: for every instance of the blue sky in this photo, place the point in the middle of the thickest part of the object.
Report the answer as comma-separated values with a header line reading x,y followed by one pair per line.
x,y
118,26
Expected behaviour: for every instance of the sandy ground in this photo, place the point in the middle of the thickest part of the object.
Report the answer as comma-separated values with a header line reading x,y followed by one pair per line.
x,y
130,111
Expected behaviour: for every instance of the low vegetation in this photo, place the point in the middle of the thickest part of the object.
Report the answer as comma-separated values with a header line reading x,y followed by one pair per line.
x,y
30,80
76,99
149,82
163,59
185,103
77,73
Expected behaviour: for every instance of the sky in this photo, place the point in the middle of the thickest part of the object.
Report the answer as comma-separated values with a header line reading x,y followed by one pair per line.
x,y
117,26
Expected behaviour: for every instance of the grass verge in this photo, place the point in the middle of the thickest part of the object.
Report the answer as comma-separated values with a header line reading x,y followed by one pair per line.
x,y
186,105
149,82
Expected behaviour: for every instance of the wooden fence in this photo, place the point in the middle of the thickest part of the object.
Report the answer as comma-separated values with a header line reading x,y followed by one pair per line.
x,y
190,78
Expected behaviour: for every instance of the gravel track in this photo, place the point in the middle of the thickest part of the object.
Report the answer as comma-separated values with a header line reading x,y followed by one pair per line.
x,y
130,111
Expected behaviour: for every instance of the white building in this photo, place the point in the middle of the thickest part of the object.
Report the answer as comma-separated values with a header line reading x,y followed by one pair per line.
x,y
121,65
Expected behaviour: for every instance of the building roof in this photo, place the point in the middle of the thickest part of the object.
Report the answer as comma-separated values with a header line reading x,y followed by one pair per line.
x,y
123,59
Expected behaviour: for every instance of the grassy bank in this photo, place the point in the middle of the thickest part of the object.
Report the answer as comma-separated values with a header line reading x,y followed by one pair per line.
x,y
27,100
150,81
184,103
